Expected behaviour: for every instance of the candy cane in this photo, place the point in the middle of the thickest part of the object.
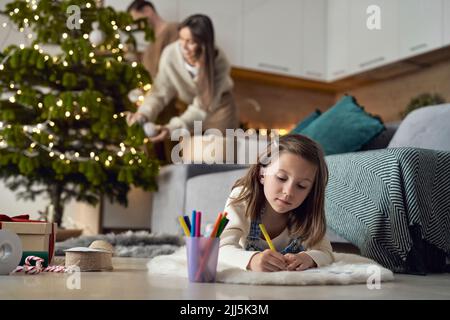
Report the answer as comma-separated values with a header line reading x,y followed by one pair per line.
x,y
28,268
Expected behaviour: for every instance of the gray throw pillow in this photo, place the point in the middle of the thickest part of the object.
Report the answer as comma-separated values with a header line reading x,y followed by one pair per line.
x,y
427,128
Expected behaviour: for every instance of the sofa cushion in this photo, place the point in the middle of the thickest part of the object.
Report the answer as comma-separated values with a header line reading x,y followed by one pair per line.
x,y
346,127
306,121
427,128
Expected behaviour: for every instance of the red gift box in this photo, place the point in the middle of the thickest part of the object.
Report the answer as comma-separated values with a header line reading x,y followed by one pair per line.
x,y
37,237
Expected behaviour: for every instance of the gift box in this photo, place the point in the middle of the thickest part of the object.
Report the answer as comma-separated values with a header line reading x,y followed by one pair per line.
x,y
37,237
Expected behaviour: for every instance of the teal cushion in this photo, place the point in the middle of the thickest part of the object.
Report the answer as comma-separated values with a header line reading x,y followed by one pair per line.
x,y
346,127
306,122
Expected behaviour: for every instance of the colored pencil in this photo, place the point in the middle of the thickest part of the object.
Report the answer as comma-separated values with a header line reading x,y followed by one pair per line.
x,y
193,219
216,226
266,235
184,226
188,223
198,224
223,227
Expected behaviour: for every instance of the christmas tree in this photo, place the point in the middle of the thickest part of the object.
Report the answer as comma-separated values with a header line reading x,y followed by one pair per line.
x,y
63,131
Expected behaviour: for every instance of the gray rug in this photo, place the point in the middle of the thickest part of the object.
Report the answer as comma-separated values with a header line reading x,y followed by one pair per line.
x,y
141,244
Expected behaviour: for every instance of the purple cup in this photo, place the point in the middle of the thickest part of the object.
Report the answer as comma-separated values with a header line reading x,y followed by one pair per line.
x,y
202,254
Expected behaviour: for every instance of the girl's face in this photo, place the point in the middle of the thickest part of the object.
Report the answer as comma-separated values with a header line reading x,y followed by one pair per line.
x,y
287,181
188,45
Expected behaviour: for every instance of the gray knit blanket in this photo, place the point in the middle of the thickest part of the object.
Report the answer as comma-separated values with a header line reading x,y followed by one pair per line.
x,y
139,244
394,205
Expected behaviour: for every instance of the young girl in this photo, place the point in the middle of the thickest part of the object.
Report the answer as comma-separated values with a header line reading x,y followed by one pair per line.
x,y
285,191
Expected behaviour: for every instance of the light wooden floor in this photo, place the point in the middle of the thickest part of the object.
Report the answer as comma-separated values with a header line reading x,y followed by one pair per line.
x,y
130,280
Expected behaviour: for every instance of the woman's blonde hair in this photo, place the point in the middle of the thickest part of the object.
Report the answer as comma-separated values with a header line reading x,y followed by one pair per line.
x,y
202,31
308,220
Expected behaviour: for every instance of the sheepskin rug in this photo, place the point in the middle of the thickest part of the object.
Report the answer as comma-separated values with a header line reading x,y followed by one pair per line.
x,y
347,269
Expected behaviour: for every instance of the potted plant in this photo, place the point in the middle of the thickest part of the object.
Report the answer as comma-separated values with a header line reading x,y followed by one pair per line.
x,y
422,100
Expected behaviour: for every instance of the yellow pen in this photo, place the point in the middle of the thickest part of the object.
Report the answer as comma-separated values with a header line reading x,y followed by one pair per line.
x,y
266,235
184,226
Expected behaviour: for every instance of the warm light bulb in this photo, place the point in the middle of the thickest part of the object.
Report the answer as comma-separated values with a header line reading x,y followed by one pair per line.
x,y
64,35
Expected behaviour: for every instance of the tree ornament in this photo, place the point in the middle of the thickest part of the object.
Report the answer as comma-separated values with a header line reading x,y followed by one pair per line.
x,y
97,36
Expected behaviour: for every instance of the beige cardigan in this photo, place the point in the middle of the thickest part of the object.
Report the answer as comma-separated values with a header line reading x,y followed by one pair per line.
x,y
174,80
232,240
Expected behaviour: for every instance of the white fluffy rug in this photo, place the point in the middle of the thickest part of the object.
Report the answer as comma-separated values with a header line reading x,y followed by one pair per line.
x,y
347,269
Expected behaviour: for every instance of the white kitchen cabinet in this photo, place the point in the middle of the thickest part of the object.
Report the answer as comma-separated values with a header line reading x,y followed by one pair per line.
x,y
314,39
338,39
446,24
227,20
369,47
272,32
420,26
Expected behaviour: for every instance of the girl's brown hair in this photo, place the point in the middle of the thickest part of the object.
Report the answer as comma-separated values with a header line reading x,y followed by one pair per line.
x,y
308,220
202,31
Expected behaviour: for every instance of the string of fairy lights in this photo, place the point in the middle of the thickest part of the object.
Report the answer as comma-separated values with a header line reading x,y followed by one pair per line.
x,y
45,127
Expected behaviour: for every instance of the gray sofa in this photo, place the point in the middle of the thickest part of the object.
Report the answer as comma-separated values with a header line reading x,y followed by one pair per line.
x,y
183,188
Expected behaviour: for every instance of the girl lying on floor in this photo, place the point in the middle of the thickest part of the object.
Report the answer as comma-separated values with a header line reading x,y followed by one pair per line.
x,y
285,191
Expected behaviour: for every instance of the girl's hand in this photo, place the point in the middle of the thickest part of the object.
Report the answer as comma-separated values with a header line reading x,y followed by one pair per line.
x,y
268,261
132,118
161,136
299,261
